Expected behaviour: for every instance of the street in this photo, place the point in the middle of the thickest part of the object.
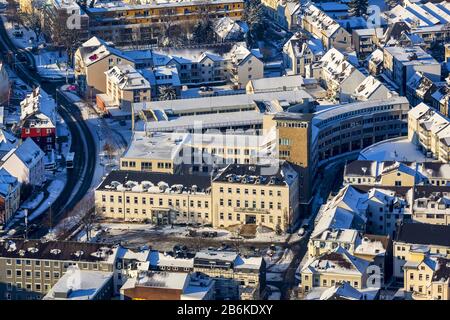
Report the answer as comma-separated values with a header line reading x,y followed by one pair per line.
x,y
82,141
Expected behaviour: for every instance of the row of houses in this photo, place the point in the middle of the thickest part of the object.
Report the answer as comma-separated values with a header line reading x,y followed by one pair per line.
x,y
120,78
369,233
24,150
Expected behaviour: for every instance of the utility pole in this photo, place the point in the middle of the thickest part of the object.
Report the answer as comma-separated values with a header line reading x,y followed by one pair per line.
x,y
51,218
26,224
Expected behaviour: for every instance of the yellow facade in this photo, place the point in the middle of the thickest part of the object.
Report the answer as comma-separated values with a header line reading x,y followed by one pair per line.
x,y
419,280
397,178
160,208
295,146
234,203
310,281
94,73
149,165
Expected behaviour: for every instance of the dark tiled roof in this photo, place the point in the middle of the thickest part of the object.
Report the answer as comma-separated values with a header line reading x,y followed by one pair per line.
x,y
427,191
253,174
53,250
123,176
426,234
399,190
355,168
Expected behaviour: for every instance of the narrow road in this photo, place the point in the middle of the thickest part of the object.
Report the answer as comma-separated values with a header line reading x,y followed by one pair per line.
x,y
83,144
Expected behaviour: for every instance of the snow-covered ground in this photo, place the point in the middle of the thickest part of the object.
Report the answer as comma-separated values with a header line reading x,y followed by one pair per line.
x,y
21,42
50,64
274,294
115,229
54,189
281,265
274,277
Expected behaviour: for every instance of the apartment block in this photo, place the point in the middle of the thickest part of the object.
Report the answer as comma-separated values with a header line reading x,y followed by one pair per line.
x,y
141,23
124,86
30,269
401,63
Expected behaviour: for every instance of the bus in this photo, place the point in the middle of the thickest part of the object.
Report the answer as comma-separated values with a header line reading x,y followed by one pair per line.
x,y
69,160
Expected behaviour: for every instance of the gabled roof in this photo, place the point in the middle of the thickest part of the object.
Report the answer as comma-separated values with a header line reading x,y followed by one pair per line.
x,y
341,291
28,152
7,141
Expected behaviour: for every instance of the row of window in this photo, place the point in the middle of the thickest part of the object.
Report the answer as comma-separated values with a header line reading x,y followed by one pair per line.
x,y
247,205
47,263
247,191
159,201
237,217
144,212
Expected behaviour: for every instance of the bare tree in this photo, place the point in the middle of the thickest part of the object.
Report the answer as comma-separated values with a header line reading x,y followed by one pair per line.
x,y
167,93
67,39
32,19
88,221
86,213
109,149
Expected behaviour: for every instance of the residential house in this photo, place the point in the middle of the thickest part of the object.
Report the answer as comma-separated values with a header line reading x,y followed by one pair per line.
x,y
371,89
427,277
7,142
325,28
334,267
300,53
414,240
366,41
163,285
431,204
374,62
401,63
420,89
227,29
92,59
235,276
88,285
26,163
9,197
340,77
430,131
124,86
38,120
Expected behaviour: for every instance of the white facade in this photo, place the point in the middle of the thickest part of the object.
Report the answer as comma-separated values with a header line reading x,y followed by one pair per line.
x,y
26,163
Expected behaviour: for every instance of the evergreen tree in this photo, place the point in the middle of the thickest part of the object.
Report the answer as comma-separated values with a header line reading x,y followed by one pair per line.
x,y
357,8
254,16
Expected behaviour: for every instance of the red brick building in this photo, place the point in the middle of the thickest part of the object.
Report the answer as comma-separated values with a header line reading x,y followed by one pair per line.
x,y
41,129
